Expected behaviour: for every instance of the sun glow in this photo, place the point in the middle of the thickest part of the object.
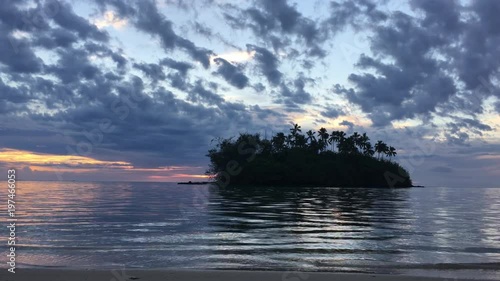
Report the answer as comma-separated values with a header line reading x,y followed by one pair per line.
x,y
234,57
110,19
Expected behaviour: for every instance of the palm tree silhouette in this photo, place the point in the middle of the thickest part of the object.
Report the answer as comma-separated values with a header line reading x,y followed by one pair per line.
x,y
336,137
391,151
296,129
368,149
310,136
380,147
323,141
294,133
278,142
356,138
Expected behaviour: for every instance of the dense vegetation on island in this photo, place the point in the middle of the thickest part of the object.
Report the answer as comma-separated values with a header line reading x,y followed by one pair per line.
x,y
314,159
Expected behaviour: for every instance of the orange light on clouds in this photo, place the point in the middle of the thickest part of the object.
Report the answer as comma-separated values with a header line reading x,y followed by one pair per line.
x,y
22,157
74,166
489,157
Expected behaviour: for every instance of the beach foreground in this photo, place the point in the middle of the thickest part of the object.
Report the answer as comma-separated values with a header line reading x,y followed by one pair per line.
x,y
189,275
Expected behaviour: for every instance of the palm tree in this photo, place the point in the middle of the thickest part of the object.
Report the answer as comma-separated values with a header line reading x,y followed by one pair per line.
x,y
368,149
289,141
323,141
347,145
391,151
380,147
278,142
294,134
336,137
295,130
364,141
310,136
300,141
356,138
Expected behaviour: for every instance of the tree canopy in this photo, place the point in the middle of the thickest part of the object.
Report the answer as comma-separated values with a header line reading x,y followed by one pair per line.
x,y
314,158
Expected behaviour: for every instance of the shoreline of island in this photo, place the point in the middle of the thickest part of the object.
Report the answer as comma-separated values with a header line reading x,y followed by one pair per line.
x,y
292,186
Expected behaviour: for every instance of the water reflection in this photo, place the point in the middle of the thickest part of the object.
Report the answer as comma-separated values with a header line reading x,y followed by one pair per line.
x,y
316,227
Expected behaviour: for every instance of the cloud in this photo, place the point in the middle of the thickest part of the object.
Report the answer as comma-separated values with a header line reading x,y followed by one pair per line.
x,y
67,19
294,100
16,54
235,57
231,73
180,66
489,156
268,64
110,19
417,60
153,71
441,169
150,20
331,113
273,20
358,14
348,124
200,94
20,157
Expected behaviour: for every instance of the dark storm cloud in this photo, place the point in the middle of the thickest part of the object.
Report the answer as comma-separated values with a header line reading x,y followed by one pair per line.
x,y
231,73
268,64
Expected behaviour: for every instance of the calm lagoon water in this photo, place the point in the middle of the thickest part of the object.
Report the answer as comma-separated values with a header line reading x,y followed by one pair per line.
x,y
437,231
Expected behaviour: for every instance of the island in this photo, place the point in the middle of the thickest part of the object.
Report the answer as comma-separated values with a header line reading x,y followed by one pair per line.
x,y
311,159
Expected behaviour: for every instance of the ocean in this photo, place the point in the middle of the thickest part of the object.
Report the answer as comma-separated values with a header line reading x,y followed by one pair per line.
x,y
432,231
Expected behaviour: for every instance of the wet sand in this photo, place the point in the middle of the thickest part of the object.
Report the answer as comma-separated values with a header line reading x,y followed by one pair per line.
x,y
191,275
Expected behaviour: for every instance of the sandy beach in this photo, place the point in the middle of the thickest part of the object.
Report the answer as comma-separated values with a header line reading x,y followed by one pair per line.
x,y
189,275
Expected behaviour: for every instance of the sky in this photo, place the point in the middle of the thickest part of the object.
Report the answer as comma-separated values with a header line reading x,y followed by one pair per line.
x,y
138,90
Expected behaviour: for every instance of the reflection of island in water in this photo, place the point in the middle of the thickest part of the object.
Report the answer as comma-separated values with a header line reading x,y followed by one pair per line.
x,y
307,227
306,160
